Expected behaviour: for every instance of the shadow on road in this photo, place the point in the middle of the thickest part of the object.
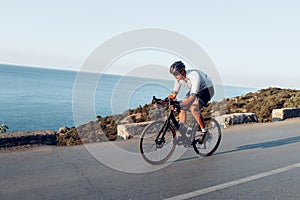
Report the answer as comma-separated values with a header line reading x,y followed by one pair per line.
x,y
262,145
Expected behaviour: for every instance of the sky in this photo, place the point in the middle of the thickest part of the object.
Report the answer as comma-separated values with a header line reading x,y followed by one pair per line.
x,y
252,43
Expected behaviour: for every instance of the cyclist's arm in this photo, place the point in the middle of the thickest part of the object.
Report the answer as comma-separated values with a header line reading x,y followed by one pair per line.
x,y
195,82
175,91
176,87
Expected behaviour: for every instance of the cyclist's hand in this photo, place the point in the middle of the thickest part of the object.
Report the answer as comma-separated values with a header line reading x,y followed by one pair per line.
x,y
172,96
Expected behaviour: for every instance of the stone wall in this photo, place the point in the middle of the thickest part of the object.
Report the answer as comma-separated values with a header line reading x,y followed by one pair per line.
x,y
47,137
127,131
236,118
284,113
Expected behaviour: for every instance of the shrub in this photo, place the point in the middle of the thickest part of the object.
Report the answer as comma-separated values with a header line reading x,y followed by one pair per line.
x,y
3,128
69,139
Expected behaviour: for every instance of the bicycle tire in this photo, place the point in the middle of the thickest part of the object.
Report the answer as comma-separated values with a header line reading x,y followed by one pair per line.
x,y
159,155
212,139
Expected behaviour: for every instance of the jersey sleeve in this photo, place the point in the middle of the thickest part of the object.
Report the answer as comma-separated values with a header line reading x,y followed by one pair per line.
x,y
176,87
195,83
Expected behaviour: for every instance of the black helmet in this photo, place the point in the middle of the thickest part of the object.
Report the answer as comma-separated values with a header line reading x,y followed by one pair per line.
x,y
177,67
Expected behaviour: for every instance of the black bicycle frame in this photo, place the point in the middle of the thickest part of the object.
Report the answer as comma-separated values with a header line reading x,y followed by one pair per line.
x,y
171,117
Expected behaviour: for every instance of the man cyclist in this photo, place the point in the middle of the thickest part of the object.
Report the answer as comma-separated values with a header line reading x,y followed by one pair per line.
x,y
201,92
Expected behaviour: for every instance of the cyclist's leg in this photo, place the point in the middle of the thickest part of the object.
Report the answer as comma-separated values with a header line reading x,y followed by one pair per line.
x,y
182,114
204,97
197,115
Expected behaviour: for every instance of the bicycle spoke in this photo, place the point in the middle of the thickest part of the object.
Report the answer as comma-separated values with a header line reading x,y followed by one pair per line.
x,y
156,152
151,146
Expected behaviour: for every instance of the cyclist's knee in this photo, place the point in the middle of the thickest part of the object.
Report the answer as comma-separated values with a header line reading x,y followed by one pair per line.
x,y
194,109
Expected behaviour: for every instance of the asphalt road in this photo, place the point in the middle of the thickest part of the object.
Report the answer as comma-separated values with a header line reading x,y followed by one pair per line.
x,y
255,161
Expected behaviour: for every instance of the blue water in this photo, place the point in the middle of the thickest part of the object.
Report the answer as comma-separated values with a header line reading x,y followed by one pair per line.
x,y
38,98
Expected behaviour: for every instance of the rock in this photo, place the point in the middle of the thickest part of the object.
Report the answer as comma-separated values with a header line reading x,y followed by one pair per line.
x,y
62,130
284,113
236,118
127,131
131,118
92,131
122,132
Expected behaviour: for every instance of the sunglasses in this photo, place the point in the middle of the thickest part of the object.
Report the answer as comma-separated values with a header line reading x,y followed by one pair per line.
x,y
176,73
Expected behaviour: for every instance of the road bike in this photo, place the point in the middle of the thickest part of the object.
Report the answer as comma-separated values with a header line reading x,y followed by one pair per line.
x,y
159,139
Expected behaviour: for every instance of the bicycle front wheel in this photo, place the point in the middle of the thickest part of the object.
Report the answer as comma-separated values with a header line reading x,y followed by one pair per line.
x,y
157,152
212,139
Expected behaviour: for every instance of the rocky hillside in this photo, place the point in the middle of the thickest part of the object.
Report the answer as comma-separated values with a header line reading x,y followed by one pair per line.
x,y
261,102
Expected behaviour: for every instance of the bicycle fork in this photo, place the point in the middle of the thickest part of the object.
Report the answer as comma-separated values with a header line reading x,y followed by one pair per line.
x,y
160,139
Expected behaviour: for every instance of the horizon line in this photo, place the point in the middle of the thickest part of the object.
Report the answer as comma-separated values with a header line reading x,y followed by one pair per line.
x,y
75,70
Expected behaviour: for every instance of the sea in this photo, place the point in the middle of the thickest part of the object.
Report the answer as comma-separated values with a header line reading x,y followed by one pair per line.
x,y
34,98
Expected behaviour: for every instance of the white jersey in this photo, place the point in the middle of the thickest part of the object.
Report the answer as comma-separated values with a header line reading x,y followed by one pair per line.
x,y
195,80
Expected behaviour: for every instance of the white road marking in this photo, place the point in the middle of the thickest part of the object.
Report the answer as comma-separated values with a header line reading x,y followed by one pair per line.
x,y
234,183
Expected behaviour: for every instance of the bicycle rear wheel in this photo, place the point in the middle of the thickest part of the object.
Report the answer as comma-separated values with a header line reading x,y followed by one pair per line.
x,y
212,139
158,152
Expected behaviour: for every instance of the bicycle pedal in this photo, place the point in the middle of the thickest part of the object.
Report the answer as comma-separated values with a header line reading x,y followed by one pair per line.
x,y
196,141
200,140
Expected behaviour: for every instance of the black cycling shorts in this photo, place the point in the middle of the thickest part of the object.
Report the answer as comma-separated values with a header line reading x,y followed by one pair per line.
x,y
204,96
